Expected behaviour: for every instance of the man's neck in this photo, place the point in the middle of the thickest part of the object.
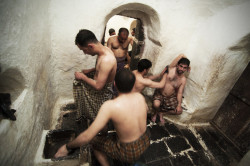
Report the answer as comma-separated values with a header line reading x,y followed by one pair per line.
x,y
100,49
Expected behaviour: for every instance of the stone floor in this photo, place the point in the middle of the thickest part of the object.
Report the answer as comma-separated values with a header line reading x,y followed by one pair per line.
x,y
176,145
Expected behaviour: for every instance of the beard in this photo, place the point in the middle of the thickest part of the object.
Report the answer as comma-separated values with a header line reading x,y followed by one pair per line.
x,y
180,71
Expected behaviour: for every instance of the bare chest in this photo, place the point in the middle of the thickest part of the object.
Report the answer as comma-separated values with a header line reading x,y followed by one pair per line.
x,y
122,46
174,81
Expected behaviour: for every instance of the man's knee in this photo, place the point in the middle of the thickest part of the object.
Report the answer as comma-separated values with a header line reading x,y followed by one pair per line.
x,y
157,103
179,112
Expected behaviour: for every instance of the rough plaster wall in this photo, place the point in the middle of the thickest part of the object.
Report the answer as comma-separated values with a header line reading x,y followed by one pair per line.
x,y
25,71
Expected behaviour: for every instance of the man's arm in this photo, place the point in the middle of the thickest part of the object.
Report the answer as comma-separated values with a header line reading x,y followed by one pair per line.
x,y
99,123
131,41
103,73
179,95
153,84
128,59
109,45
86,71
176,60
174,63
153,77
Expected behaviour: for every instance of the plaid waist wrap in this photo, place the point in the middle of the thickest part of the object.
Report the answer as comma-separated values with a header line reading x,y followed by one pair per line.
x,y
167,102
89,100
125,152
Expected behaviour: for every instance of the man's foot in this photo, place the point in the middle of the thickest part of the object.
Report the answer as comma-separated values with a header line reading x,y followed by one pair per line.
x,y
162,122
154,118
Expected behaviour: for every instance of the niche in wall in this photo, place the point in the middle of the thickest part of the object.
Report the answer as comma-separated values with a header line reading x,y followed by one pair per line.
x,y
11,83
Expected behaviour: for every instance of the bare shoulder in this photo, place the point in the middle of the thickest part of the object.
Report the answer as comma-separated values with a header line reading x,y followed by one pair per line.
x,y
130,38
171,71
139,96
183,79
109,56
108,105
135,72
113,38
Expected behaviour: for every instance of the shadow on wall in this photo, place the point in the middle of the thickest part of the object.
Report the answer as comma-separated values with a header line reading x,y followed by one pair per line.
x,y
12,82
243,45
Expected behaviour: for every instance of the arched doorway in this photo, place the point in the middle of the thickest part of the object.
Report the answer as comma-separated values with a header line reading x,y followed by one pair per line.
x,y
147,29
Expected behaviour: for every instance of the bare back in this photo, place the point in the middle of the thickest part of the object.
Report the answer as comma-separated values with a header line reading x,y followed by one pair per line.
x,y
173,82
106,63
139,83
129,114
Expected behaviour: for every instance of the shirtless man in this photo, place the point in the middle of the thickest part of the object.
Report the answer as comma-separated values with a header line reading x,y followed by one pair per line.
x,y
119,45
104,74
169,98
132,137
143,81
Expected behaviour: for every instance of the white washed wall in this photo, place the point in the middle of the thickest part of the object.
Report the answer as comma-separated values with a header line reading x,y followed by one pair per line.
x,y
25,52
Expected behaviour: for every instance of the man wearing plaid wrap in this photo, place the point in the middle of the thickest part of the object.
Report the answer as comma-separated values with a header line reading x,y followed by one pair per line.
x,y
91,91
168,99
130,122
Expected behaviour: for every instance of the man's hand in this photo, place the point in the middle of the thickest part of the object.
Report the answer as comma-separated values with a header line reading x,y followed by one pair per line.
x,y
79,75
126,66
61,152
178,109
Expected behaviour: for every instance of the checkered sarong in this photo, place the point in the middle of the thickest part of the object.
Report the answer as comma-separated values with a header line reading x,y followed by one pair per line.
x,y
89,100
168,103
125,152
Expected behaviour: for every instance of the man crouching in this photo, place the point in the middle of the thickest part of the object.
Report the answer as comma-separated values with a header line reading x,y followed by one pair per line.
x,y
168,99
128,113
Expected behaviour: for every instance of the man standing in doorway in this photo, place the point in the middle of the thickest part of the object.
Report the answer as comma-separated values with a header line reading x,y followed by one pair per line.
x,y
119,45
93,86
169,98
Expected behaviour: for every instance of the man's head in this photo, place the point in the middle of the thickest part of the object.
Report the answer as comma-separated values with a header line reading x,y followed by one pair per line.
x,y
183,65
144,64
124,81
85,40
122,35
111,32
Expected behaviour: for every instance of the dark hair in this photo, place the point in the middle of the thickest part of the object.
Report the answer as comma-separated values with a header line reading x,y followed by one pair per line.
x,y
111,30
184,61
122,30
144,64
124,80
84,37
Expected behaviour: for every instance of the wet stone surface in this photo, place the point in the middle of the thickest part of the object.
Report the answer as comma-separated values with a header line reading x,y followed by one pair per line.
x,y
177,144
171,144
